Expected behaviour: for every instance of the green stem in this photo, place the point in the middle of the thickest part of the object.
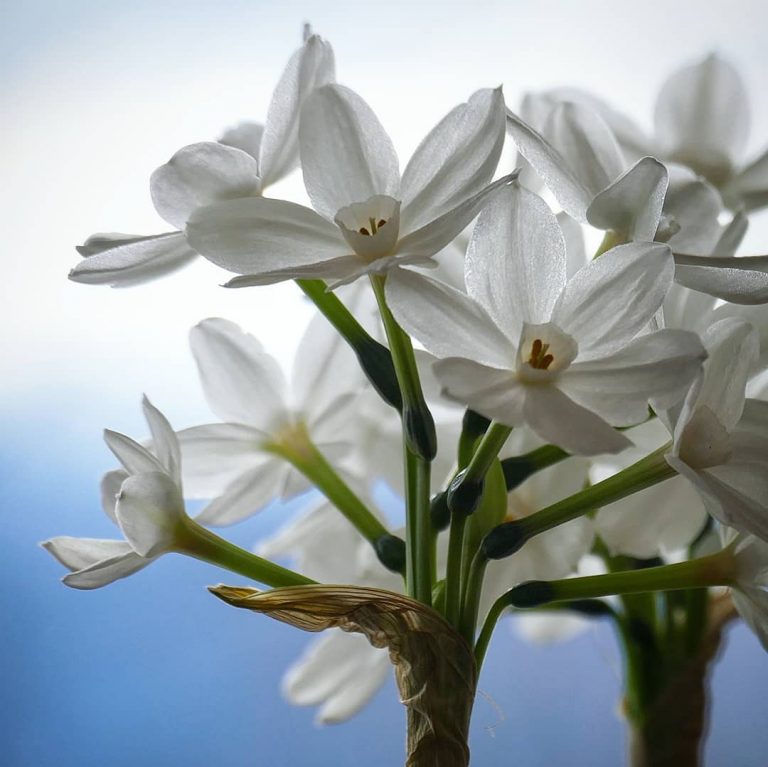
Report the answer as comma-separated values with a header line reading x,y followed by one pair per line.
x,y
199,542
510,536
453,570
303,454
471,597
714,570
374,358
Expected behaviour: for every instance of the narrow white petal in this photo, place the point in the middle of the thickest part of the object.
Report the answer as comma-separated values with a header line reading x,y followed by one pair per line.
x,y
494,393
455,161
335,271
216,454
632,204
150,510
440,232
107,571
164,442
346,155
657,367
702,116
309,67
79,553
575,247
738,280
613,298
559,420
200,174
131,260
246,495
242,383
259,235
515,264
448,322
586,142
570,191
135,458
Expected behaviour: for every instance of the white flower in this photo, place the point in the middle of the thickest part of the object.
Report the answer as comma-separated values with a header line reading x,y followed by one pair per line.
x,y
579,158
720,439
144,498
234,462
368,218
528,346
247,160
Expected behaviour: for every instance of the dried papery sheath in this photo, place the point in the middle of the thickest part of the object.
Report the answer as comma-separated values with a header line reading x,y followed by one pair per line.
x,y
434,667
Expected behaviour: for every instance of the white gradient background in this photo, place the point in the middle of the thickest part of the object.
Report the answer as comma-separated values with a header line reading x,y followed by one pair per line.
x,y
95,95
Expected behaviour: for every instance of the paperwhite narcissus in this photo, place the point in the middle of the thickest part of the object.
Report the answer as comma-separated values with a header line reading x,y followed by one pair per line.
x,y
720,438
566,357
245,161
367,218
234,462
148,507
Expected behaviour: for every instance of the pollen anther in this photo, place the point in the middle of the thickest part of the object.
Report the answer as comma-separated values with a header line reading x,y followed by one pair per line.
x,y
539,358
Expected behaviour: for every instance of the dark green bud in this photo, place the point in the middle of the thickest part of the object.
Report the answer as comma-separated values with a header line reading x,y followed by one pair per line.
x,y
419,429
391,552
531,594
504,540
463,496
439,512
376,361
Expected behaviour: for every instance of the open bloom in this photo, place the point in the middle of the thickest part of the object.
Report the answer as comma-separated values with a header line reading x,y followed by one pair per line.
x,y
246,160
144,498
367,217
239,463
526,345
720,438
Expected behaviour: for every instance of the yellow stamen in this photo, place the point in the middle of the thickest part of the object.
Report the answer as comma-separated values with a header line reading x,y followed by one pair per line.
x,y
539,358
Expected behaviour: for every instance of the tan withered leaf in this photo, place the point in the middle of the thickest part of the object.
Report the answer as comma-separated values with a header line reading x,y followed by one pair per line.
x,y
434,666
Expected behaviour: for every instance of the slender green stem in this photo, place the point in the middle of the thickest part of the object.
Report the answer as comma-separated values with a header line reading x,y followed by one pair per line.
x,y
714,570
453,570
486,632
374,358
510,536
518,468
420,446
199,542
471,597
303,454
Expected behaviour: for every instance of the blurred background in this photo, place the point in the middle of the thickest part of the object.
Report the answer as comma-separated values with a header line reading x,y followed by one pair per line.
x,y
95,95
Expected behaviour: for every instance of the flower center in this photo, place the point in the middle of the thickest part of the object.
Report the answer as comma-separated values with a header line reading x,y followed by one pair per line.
x,y
539,358
373,227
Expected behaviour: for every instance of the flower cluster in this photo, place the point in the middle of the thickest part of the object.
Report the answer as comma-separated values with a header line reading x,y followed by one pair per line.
x,y
562,409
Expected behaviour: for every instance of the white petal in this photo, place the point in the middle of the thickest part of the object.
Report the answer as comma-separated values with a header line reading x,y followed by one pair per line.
x,y
216,454
309,67
246,495
586,142
739,280
515,265
732,346
440,232
702,116
150,511
336,271
694,205
752,605
242,383
259,235
131,260
632,204
494,393
134,457
110,487
245,136
553,168
94,563
455,161
346,155
749,189
614,297
448,322
559,420
200,174
657,367
164,442
732,235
